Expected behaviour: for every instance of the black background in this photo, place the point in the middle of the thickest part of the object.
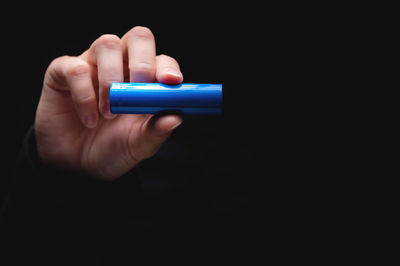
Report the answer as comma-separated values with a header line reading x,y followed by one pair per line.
x,y
269,159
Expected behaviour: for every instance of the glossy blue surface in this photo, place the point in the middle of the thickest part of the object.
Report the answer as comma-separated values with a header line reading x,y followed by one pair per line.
x,y
151,98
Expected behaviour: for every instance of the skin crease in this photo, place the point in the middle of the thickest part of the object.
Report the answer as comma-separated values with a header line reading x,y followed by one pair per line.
x,y
73,126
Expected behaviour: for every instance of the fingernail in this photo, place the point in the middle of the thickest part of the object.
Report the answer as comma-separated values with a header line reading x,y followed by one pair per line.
x,y
90,120
175,126
174,73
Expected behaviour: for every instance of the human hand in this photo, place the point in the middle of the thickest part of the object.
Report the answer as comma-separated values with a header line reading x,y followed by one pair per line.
x,y
74,126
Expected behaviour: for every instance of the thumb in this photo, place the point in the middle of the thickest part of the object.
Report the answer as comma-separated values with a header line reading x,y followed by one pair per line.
x,y
164,124
155,131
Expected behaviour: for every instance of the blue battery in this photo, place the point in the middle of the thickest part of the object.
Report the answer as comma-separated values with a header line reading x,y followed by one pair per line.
x,y
152,98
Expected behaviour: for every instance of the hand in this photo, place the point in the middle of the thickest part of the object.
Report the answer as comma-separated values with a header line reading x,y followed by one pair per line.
x,y
74,126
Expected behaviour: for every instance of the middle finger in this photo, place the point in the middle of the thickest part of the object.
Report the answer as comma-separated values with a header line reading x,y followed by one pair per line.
x,y
139,45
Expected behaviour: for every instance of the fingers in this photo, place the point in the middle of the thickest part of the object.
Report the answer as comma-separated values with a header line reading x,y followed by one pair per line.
x,y
140,53
109,59
140,50
106,54
74,74
155,131
82,92
143,66
168,71
162,125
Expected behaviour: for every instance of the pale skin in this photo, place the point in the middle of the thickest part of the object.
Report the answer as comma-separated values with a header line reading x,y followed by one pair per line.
x,y
74,127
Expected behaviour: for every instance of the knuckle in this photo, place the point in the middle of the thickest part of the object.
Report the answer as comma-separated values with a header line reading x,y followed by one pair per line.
x,y
167,59
85,99
142,67
59,60
164,57
141,32
77,68
57,63
110,41
54,74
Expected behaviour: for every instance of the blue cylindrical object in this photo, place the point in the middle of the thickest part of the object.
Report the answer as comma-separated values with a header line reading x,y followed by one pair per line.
x,y
151,98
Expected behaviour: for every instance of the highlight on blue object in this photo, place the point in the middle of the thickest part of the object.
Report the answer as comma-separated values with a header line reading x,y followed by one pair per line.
x,y
152,98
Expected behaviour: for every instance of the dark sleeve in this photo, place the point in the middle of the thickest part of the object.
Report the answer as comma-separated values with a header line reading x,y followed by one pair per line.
x,y
40,197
